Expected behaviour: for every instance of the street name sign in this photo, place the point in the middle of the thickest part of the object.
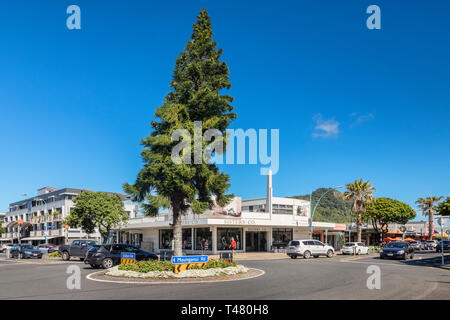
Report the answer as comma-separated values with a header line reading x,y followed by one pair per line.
x,y
127,257
184,263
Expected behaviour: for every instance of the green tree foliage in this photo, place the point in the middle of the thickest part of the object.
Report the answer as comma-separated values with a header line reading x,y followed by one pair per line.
x,y
444,207
383,211
428,206
1,227
100,210
360,192
332,207
196,95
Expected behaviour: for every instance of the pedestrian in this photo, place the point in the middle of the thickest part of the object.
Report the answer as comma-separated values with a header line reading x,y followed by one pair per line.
x,y
206,246
233,245
172,244
203,245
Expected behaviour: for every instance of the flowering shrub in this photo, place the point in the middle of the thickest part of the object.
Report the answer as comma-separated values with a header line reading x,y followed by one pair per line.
x,y
54,254
147,266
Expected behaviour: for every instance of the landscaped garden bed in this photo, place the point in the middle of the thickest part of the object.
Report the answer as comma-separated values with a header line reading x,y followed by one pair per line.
x,y
165,270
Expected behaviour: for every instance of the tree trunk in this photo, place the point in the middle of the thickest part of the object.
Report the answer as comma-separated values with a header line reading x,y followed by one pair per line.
x,y
430,224
358,226
177,232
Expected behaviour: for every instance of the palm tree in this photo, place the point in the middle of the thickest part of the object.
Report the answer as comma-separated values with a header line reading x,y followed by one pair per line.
x,y
361,193
428,206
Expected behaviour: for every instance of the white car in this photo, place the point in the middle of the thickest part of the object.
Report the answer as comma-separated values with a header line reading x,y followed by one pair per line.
x,y
309,248
4,246
354,248
432,244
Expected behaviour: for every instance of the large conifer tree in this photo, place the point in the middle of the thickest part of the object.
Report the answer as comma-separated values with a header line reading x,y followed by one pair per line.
x,y
195,95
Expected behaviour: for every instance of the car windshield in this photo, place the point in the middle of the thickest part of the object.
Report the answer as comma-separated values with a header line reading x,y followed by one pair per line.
x,y
396,245
91,243
27,246
349,244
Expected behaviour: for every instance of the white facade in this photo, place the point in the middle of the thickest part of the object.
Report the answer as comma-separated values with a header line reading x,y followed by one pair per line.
x,y
42,216
264,224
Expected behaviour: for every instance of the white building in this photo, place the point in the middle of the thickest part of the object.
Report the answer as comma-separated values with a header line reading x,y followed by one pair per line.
x,y
42,217
248,221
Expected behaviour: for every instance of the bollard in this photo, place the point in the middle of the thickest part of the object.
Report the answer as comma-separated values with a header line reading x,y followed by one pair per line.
x,y
7,253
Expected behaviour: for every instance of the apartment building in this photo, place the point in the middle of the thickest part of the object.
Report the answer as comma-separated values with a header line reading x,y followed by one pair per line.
x,y
42,217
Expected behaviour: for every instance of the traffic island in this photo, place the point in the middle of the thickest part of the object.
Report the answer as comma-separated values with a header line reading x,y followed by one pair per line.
x,y
165,272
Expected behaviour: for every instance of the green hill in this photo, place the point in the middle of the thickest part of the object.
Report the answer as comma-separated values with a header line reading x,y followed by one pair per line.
x,y
332,207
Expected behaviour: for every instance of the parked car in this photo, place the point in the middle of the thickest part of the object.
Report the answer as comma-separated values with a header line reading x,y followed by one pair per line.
x,y
78,249
397,249
4,246
108,255
355,248
47,247
25,251
308,248
432,244
443,245
416,245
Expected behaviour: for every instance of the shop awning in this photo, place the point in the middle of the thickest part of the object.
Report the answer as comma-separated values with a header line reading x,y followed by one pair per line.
x,y
37,238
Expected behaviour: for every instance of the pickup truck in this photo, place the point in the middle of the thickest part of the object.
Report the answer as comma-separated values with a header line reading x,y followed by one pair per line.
x,y
77,249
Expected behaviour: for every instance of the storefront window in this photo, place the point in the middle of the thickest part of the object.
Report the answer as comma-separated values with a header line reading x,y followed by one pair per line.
x,y
165,237
281,237
200,234
224,236
187,239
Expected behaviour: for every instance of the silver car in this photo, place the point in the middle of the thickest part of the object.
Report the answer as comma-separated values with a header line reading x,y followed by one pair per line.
x,y
308,249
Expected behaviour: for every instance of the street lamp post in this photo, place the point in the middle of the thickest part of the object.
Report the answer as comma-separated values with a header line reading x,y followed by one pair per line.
x,y
312,209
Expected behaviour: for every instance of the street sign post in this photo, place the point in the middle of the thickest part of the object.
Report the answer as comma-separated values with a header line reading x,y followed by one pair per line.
x,y
127,258
184,263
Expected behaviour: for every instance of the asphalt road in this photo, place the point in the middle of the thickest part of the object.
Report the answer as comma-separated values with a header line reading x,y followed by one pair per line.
x,y
322,278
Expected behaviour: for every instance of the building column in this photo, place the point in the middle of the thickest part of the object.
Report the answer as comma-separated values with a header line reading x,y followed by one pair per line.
x,y
214,239
269,239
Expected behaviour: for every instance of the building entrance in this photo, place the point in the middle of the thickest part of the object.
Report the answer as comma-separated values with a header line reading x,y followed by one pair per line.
x,y
255,241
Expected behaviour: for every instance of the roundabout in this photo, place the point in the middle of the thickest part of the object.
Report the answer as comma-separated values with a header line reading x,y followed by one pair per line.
x,y
102,276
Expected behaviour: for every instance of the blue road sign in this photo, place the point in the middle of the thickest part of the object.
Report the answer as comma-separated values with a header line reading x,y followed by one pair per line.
x,y
189,259
128,255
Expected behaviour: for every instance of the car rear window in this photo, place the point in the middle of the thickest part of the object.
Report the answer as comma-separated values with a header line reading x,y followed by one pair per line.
x,y
295,243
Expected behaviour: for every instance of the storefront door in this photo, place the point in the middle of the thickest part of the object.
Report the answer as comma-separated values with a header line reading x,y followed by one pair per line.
x,y
255,241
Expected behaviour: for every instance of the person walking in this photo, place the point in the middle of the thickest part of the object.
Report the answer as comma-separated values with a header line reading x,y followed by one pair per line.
x,y
206,246
233,246
202,244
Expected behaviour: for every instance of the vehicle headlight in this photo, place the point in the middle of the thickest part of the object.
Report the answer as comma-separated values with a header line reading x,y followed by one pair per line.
x,y
401,252
381,251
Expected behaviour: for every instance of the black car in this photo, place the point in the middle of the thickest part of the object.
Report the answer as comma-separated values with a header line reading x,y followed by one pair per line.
x,y
443,245
25,251
108,255
397,249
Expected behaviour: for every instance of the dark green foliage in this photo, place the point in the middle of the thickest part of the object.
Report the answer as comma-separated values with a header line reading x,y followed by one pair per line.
x,y
444,207
97,210
332,207
196,95
383,211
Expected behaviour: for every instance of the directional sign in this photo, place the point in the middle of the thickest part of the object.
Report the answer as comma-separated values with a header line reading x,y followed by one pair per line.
x,y
190,259
186,266
127,257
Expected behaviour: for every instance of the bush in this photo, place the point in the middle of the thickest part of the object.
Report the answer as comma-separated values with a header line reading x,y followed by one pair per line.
x,y
156,265
54,254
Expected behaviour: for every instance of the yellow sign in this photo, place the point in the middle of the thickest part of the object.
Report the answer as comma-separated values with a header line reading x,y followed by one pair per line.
x,y
185,266
127,261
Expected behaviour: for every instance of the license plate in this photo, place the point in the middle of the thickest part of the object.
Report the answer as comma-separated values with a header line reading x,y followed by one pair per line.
x,y
35,254
390,254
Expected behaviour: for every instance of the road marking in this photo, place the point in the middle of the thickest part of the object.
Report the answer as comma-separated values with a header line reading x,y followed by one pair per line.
x,y
89,277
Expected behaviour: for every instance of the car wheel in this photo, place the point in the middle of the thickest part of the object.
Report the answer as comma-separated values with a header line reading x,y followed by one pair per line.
x,y
306,254
107,263
94,266
293,257
316,256
82,259
411,256
330,253
65,256
368,251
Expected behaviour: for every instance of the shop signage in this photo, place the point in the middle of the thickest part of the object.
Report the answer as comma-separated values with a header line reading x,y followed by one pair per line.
x,y
239,221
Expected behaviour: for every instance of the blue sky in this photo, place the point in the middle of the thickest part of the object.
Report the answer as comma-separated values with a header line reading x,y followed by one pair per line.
x,y
349,102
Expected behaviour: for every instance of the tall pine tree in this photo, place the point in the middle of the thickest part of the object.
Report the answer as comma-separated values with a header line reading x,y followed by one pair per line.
x,y
195,95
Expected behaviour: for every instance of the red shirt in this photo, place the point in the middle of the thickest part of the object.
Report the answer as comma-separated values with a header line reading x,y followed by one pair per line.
x,y
233,244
